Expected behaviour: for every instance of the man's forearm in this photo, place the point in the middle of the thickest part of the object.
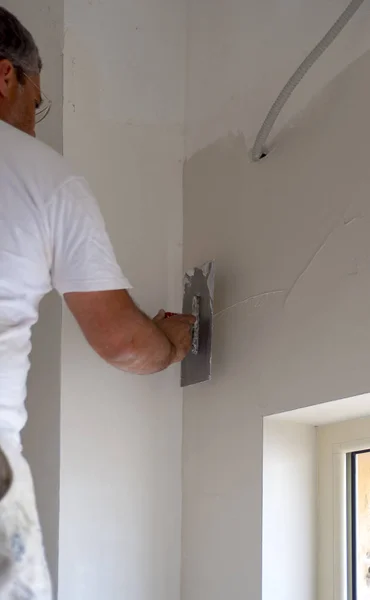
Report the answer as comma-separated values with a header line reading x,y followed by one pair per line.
x,y
124,336
149,351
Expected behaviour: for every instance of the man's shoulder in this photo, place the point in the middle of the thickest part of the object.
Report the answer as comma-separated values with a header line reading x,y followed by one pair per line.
x,y
33,159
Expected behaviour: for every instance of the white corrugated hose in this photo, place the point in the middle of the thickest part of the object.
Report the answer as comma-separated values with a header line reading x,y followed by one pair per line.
x,y
259,149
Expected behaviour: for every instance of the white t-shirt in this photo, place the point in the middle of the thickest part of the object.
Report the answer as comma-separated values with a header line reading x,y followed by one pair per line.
x,y
52,235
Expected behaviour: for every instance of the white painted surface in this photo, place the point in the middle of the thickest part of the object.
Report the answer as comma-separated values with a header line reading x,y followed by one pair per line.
x,y
121,436
329,412
334,441
41,436
289,511
290,236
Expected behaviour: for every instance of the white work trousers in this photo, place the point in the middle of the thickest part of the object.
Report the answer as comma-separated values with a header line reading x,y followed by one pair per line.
x,y
23,570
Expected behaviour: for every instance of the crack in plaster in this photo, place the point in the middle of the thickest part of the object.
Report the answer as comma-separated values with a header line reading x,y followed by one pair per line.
x,y
246,300
344,223
289,291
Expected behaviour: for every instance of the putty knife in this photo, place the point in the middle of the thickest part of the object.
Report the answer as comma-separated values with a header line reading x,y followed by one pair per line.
x,y
199,286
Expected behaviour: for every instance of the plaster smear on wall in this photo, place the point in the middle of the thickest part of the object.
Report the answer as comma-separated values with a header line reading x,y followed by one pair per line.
x,y
269,196
291,239
292,228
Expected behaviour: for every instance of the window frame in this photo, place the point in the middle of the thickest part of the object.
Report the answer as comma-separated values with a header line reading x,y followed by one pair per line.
x,y
336,442
352,520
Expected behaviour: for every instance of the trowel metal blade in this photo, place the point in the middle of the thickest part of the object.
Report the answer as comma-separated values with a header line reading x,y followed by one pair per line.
x,y
198,300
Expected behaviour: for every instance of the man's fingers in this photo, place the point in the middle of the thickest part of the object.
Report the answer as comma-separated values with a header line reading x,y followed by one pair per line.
x,y
180,317
188,319
159,316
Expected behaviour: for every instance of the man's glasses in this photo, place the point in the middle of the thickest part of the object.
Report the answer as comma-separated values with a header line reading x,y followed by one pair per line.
x,y
43,110
44,107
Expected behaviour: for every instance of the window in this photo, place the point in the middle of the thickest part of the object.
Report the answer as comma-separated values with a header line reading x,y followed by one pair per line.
x,y
358,464
316,502
344,510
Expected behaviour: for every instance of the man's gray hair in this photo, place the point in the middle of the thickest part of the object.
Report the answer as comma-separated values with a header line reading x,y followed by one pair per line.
x,y
17,45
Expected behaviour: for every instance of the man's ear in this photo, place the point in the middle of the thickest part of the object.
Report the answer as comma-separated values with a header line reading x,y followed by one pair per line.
x,y
7,75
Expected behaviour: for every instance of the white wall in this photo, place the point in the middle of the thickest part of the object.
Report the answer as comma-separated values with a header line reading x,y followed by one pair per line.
x,y
291,234
41,436
240,54
289,511
121,436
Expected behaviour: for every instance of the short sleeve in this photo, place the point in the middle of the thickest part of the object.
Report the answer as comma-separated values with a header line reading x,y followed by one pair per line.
x,y
82,256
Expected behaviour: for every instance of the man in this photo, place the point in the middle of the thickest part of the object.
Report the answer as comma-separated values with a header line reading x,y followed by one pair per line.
x,y
52,235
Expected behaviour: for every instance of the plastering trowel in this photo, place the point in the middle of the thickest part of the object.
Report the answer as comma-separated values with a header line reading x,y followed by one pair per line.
x,y
198,301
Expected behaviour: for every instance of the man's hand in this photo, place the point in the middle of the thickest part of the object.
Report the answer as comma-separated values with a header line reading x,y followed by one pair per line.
x,y
178,330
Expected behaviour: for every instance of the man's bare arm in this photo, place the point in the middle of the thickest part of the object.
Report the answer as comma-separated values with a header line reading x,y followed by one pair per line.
x,y
124,336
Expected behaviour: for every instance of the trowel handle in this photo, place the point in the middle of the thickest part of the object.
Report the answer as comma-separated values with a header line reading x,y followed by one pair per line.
x,y
195,312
